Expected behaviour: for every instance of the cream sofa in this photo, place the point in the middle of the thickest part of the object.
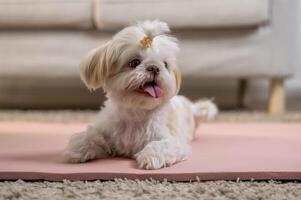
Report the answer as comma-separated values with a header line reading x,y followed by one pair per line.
x,y
42,42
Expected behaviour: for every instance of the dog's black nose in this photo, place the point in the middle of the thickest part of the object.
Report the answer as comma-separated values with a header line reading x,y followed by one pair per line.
x,y
153,68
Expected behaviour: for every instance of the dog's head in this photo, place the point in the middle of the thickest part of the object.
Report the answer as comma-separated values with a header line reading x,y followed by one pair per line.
x,y
137,67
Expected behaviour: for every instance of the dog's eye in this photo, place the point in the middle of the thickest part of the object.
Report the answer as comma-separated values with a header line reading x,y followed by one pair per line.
x,y
166,65
134,63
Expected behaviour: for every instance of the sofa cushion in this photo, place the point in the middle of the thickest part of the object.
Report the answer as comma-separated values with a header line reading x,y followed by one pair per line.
x,y
45,13
207,53
110,14
45,53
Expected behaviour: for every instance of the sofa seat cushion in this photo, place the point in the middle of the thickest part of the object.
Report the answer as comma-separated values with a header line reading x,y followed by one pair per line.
x,y
45,13
112,14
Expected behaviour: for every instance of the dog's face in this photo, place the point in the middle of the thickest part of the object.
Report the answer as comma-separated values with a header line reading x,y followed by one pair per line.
x,y
137,67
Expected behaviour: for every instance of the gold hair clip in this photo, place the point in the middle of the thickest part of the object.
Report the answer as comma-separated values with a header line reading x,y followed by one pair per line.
x,y
146,42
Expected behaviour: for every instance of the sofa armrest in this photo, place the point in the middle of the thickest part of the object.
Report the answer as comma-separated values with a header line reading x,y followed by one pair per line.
x,y
283,38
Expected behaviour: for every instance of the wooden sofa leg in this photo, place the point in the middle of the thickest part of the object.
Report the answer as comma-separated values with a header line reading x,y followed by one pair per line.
x,y
241,92
277,97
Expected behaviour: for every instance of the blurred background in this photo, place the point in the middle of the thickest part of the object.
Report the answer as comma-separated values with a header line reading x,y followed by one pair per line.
x,y
242,53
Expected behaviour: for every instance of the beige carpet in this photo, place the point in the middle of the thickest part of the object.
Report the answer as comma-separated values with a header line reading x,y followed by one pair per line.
x,y
127,189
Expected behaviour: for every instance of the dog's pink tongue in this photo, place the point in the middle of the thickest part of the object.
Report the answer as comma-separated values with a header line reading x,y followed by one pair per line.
x,y
153,90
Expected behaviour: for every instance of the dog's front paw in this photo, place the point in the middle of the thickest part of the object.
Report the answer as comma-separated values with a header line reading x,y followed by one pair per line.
x,y
159,154
75,156
150,160
81,149
78,150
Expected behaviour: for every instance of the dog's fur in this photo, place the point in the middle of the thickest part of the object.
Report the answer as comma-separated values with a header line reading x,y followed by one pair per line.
x,y
154,128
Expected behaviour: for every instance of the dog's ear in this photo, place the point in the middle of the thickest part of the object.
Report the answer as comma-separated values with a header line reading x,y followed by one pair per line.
x,y
94,68
178,77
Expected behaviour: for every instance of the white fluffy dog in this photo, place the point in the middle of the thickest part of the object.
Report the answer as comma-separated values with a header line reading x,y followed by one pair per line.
x,y
142,118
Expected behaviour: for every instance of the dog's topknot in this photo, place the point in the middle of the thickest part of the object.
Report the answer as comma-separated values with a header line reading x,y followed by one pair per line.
x,y
153,28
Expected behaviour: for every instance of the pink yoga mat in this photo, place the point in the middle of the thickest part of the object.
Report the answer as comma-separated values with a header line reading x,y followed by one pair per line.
x,y
222,151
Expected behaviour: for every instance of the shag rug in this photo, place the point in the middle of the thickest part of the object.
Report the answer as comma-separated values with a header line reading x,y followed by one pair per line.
x,y
148,189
